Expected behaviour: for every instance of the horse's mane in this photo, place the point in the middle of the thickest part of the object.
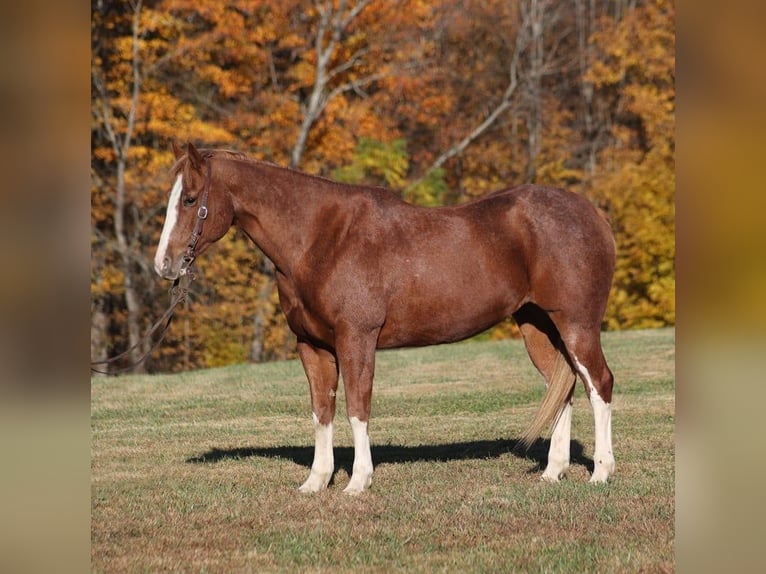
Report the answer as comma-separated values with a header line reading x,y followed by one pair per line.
x,y
208,154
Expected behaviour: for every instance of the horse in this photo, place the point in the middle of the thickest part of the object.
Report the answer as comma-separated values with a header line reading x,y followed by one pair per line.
x,y
359,269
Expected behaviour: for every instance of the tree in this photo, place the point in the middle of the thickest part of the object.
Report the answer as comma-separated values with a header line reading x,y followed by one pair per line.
x,y
442,102
132,114
634,75
332,25
121,139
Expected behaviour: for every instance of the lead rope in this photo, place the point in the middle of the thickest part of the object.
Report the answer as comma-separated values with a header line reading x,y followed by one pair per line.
x,y
177,296
178,293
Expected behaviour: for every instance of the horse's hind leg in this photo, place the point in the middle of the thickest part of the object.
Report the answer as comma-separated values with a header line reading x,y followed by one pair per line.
x,y
544,346
584,346
322,372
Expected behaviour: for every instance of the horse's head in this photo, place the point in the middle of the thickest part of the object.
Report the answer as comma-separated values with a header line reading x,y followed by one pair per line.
x,y
198,214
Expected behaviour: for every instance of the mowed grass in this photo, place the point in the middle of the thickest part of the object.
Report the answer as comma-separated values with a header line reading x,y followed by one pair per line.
x,y
198,472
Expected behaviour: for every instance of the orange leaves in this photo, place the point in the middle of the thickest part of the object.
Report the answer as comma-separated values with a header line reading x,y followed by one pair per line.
x,y
302,75
289,41
432,108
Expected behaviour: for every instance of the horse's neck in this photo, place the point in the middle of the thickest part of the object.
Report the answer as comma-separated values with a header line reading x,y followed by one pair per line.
x,y
278,209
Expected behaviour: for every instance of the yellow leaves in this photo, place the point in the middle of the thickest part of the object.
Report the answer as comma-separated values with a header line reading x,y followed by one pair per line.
x,y
640,197
285,114
224,320
302,74
637,181
655,105
106,281
160,22
643,43
600,74
228,83
166,116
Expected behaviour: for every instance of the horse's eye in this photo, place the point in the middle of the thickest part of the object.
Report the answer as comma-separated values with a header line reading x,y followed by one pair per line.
x,y
189,201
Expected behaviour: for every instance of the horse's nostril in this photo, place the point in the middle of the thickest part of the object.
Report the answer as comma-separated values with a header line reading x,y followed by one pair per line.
x,y
163,267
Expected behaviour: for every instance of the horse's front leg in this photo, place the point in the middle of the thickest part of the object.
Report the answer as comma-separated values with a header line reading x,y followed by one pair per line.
x,y
356,355
322,372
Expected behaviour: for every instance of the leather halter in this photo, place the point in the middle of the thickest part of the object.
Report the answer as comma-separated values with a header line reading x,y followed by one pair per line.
x,y
177,293
202,213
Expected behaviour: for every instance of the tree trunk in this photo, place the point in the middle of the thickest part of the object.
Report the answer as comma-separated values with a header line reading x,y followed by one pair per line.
x,y
98,335
333,23
534,116
585,26
132,301
262,310
121,144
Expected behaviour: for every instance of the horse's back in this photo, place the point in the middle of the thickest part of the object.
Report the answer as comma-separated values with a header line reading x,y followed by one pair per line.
x,y
433,275
452,272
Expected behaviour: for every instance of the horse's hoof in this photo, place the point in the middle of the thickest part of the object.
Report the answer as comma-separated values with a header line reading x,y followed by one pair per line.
x,y
358,486
314,483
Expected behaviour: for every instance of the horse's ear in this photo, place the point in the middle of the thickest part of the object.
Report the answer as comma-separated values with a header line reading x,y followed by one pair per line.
x,y
194,157
177,151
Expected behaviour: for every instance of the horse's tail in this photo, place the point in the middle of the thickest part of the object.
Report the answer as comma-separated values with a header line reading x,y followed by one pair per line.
x,y
556,395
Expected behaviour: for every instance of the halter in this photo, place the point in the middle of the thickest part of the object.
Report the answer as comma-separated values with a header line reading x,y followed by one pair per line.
x,y
177,293
190,255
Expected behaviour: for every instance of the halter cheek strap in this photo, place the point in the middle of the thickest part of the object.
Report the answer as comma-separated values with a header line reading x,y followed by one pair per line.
x,y
190,255
178,292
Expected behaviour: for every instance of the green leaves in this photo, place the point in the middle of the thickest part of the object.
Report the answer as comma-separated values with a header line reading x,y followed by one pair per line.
x,y
376,163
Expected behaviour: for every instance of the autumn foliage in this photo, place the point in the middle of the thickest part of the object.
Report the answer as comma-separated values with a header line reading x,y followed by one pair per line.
x,y
439,101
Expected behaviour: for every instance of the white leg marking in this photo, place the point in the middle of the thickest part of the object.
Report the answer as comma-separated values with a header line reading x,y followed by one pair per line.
x,y
171,216
361,477
324,464
558,454
603,458
585,375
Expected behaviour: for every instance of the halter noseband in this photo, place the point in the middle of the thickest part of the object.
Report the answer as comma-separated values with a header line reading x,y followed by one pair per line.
x,y
178,292
190,255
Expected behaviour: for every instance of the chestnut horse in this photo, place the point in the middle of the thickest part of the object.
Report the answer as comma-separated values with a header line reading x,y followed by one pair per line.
x,y
358,269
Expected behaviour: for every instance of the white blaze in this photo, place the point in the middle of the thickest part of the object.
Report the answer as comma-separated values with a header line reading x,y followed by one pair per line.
x,y
170,222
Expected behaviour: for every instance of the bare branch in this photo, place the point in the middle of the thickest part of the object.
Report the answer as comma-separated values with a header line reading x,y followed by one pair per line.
x,y
104,112
334,21
504,104
136,66
356,86
348,64
355,11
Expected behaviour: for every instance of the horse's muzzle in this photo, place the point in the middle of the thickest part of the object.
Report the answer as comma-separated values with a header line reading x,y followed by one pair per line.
x,y
165,269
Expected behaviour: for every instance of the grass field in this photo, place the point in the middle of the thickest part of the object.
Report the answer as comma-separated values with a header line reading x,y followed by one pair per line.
x,y
198,472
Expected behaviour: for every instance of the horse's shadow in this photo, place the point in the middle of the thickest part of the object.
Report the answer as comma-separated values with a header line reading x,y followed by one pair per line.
x,y
398,454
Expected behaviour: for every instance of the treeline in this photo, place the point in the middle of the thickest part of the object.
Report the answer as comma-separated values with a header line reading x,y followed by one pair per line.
x,y
439,101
